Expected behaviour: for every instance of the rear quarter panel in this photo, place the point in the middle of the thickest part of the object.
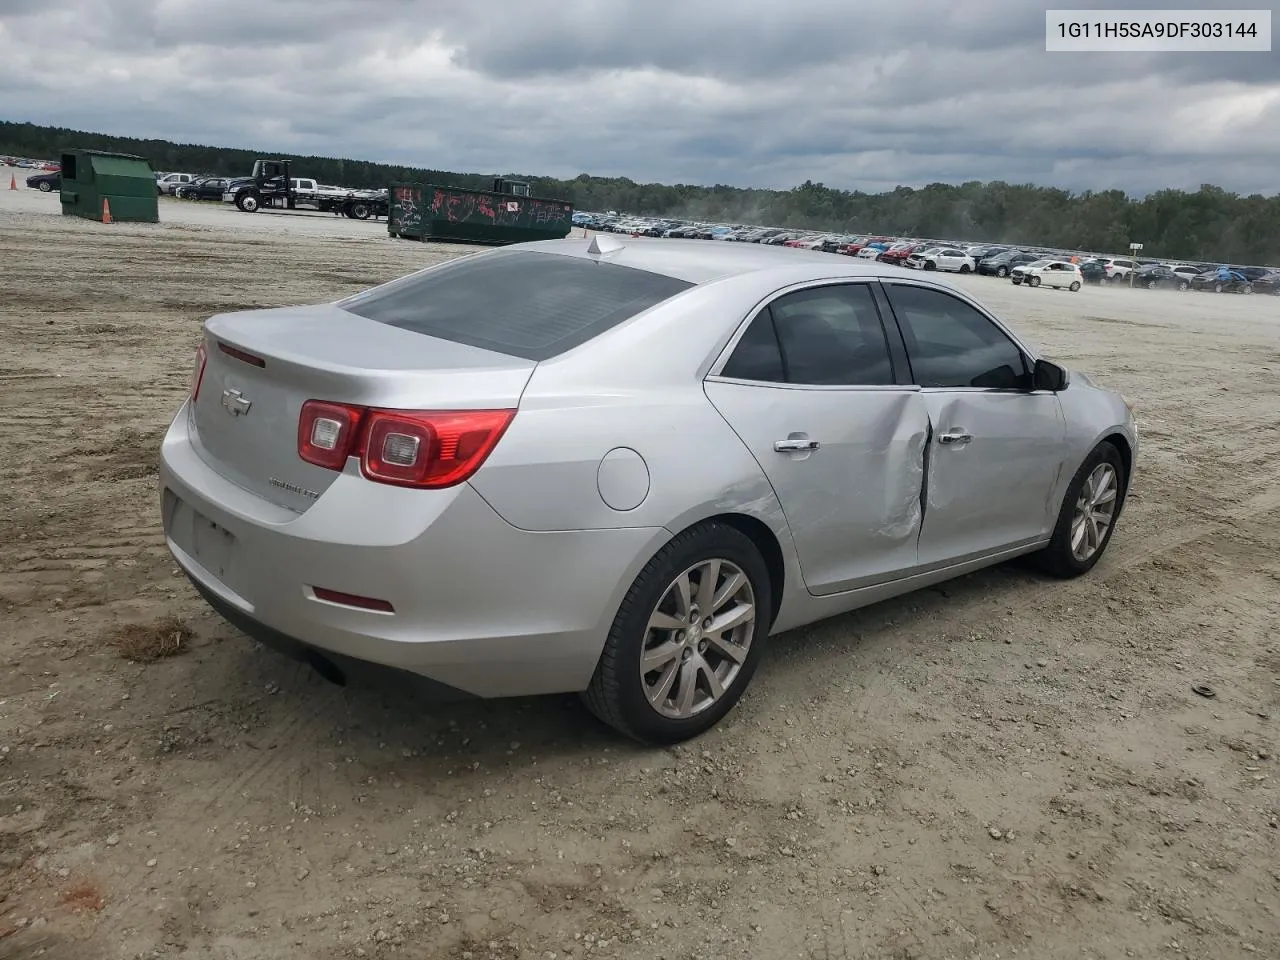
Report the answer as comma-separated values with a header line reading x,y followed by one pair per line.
x,y
638,387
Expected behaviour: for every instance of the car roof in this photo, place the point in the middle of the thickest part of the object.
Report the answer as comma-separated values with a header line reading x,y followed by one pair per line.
x,y
701,261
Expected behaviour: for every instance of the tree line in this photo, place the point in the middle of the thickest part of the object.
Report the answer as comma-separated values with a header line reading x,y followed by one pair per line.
x,y
1207,224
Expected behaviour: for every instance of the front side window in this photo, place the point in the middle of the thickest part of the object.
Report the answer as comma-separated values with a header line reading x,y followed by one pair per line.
x,y
950,344
825,336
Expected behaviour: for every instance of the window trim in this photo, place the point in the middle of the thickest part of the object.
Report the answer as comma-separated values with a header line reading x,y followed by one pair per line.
x,y
901,374
1029,356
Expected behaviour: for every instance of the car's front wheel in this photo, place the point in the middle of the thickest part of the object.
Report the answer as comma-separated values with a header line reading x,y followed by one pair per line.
x,y
1002,272
1088,515
686,639
1034,281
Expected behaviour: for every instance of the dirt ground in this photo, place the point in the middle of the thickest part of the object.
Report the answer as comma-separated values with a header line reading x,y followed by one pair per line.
x,y
1001,767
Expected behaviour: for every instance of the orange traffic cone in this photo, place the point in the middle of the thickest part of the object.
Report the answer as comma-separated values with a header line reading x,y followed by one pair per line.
x,y
13,182
106,211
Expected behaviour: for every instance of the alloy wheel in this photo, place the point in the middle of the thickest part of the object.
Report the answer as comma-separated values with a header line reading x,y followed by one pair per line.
x,y
697,638
1095,512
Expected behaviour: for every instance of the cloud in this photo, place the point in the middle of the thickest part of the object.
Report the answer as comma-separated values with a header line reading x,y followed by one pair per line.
x,y
754,93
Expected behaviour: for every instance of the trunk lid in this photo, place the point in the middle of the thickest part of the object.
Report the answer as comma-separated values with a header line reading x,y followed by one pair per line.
x,y
245,418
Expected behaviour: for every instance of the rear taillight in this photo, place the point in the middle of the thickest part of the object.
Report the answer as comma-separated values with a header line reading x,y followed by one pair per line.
x,y
427,449
197,371
327,433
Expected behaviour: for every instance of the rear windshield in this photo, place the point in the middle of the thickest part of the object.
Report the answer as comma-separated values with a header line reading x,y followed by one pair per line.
x,y
516,302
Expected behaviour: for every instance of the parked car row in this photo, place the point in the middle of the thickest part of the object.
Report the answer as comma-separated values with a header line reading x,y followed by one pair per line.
x,y
27,164
1032,266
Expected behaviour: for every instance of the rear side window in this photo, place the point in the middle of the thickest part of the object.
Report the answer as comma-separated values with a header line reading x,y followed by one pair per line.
x,y
825,336
523,304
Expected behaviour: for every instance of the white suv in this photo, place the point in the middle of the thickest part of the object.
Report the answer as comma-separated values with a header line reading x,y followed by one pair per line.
x,y
1117,269
949,259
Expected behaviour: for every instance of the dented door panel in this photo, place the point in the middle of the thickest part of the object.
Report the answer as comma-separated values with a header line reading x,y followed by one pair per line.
x,y
853,503
994,490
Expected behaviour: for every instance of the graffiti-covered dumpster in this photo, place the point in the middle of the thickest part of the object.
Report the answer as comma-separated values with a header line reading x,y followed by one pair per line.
x,y
505,214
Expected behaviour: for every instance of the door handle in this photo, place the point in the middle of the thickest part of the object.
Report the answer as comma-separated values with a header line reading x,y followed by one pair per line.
x,y
795,445
955,438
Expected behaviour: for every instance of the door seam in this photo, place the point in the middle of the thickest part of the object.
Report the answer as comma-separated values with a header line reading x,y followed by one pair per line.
x,y
926,461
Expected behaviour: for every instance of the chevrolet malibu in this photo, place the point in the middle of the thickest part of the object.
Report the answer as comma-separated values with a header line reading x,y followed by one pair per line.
x,y
617,467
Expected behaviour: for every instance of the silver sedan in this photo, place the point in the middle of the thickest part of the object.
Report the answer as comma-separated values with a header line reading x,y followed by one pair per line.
x,y
617,467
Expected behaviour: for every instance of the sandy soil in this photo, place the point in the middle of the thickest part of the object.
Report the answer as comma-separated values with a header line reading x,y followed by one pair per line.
x,y
1002,767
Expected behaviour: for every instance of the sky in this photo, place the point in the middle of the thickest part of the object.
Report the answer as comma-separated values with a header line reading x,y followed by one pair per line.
x,y
857,94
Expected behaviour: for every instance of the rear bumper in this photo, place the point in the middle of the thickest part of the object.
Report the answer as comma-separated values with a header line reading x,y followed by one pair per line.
x,y
479,605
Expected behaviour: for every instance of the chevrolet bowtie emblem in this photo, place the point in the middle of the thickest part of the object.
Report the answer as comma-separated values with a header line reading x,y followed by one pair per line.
x,y
235,402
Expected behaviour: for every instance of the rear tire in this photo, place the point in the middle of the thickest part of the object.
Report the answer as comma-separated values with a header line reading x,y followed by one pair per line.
x,y
1075,286
964,268
1002,272
44,186
620,691
1058,559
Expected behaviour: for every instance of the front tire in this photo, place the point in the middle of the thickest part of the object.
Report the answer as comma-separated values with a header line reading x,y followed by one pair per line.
x,y
1034,281
247,202
686,639
1088,516
44,186
1002,272
930,265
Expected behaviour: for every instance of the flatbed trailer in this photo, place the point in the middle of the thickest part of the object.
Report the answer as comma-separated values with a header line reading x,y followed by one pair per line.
x,y
272,187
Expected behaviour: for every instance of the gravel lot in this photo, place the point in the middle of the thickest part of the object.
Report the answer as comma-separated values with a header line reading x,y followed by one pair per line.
x,y
1000,767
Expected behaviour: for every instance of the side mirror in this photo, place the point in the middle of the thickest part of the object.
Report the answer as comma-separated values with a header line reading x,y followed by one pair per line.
x,y
1049,376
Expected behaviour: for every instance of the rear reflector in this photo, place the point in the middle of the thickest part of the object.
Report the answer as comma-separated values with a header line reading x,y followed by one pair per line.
x,y
352,600
408,448
240,355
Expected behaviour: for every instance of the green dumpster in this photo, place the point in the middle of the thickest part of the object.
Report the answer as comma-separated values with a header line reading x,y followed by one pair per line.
x,y
126,183
428,212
